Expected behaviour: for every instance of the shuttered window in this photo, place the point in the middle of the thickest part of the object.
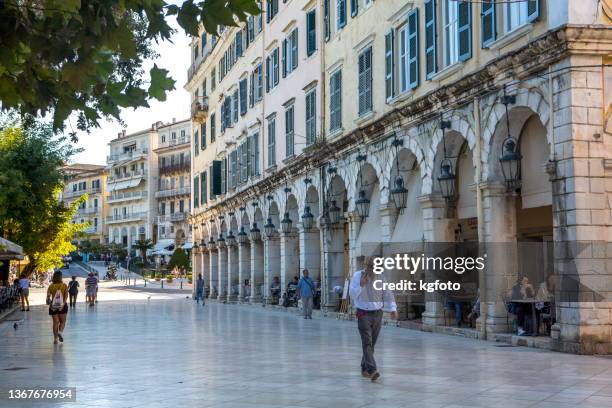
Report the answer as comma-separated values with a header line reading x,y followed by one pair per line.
x,y
196,148
465,30
326,19
335,101
430,38
243,96
203,135
311,32
224,176
365,81
289,131
271,142
196,192
213,127
413,46
488,26
203,183
234,169
389,65
252,89
235,107
311,112
340,14
354,8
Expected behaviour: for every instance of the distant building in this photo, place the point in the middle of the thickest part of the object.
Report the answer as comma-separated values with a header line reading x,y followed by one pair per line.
x,y
90,179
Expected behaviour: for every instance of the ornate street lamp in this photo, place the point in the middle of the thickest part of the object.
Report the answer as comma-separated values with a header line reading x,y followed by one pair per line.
x,y
211,243
334,213
307,219
231,239
363,203
221,241
510,159
399,193
242,236
195,246
255,233
286,223
269,227
447,179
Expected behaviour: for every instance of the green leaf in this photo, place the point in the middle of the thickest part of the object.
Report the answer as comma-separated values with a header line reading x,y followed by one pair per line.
x,y
160,83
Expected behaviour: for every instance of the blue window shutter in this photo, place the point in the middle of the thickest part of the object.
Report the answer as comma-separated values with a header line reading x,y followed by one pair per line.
x,y
203,198
341,10
389,65
533,10
196,149
430,38
284,57
354,7
487,22
268,74
413,44
203,135
196,190
326,19
311,33
294,49
252,90
465,30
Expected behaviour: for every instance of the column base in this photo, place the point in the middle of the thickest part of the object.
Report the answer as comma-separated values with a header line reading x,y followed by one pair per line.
x,y
434,314
255,299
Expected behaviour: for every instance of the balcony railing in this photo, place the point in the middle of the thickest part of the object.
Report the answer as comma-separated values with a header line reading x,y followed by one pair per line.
x,y
174,142
121,176
91,230
130,195
126,217
199,109
173,192
175,168
131,154
176,217
88,211
72,194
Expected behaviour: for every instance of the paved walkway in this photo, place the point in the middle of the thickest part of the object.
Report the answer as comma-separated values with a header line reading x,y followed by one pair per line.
x,y
174,353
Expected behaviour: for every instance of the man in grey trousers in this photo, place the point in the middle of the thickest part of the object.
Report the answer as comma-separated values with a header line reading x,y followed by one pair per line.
x,y
370,304
306,290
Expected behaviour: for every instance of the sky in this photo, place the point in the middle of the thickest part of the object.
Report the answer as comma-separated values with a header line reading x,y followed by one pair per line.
x,y
174,57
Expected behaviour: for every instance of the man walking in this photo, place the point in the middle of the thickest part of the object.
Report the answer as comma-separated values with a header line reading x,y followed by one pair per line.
x,y
370,304
306,291
91,288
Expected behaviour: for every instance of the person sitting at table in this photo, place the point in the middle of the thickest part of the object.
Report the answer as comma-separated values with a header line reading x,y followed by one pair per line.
x,y
275,290
520,291
475,312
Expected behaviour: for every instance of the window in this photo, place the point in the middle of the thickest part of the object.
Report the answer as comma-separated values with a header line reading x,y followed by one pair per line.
x,y
408,52
250,30
354,8
204,91
451,24
196,49
182,206
365,81
520,13
238,42
272,70
271,9
212,80
203,135
340,14
271,142
235,107
243,96
311,32
326,19
290,53
311,111
213,127
289,131
196,192
243,152
203,183
233,169
335,101
203,42
254,154
196,149
258,82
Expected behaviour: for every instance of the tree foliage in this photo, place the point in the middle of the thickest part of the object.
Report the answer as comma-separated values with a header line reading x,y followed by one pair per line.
x,y
179,259
142,246
85,57
30,181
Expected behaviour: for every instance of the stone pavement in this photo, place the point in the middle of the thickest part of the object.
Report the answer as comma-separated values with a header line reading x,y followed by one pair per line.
x,y
174,353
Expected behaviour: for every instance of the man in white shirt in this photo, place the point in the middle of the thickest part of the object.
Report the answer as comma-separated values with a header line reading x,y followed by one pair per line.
x,y
370,304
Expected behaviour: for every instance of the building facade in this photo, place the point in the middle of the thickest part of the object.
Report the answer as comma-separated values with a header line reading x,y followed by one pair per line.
x,y
173,190
87,179
442,122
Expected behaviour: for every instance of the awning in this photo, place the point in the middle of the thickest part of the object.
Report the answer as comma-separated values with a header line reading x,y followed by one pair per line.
x,y
162,252
163,244
121,185
188,245
10,250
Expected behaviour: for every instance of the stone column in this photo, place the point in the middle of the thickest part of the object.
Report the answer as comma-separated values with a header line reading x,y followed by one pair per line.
x,y
436,228
257,270
334,259
222,270
310,252
204,267
244,268
500,246
214,273
271,263
582,198
197,269
232,271
289,258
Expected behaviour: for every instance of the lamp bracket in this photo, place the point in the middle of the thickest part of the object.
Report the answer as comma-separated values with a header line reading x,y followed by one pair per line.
x,y
445,124
508,99
361,157
397,142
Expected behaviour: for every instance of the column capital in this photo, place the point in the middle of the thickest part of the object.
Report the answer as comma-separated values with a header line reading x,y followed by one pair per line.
x,y
494,188
432,201
387,209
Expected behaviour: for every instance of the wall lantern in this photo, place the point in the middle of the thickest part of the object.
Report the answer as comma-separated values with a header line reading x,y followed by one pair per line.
x,y
242,236
211,244
269,227
286,223
510,159
231,239
195,246
363,203
307,219
447,178
334,213
255,233
399,193
220,241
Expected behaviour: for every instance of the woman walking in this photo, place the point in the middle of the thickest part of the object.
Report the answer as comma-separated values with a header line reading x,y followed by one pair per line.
x,y
58,308
73,291
200,289
24,292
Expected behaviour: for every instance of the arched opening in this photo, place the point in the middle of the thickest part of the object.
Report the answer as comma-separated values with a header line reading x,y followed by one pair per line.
x,y
257,257
290,246
233,277
310,241
336,243
369,236
272,256
222,259
244,257
213,258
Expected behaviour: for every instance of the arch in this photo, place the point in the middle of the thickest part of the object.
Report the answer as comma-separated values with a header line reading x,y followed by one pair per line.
x,y
311,200
337,191
455,144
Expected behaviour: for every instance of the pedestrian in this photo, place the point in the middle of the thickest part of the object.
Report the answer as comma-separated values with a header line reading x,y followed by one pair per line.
x,y
73,291
58,308
200,289
305,291
91,288
370,304
24,292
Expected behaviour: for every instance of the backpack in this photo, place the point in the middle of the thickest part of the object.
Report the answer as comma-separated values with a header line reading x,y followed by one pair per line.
x,y
58,300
